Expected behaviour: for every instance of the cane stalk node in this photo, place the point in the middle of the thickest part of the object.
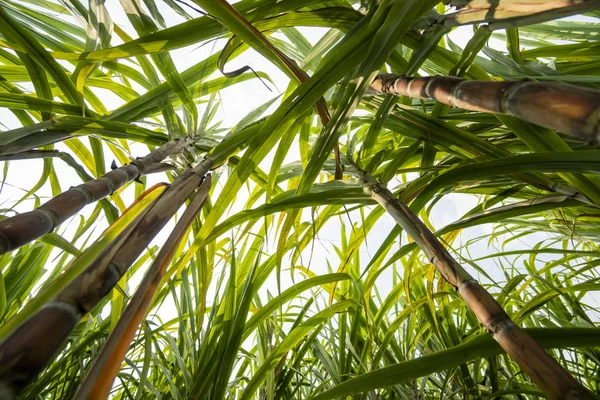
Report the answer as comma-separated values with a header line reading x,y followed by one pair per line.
x,y
466,283
88,194
591,130
508,94
500,323
112,186
73,310
428,84
454,96
51,215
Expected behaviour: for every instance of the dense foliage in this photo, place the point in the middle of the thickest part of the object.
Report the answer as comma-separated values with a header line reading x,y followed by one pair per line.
x,y
281,277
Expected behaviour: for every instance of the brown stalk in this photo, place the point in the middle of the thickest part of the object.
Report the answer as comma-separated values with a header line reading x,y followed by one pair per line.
x,y
27,350
99,379
554,380
24,228
570,109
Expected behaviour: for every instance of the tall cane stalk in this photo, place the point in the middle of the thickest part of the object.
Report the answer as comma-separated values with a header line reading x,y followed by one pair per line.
x,y
28,349
100,377
570,109
554,380
23,228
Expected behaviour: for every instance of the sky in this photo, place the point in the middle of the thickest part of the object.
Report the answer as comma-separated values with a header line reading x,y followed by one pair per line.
x,y
235,103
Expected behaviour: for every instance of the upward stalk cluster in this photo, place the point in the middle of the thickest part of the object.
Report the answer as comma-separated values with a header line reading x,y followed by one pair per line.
x,y
100,377
27,350
24,228
554,380
570,109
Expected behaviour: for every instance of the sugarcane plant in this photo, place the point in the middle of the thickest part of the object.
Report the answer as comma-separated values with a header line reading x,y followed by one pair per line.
x,y
413,216
26,227
555,381
53,323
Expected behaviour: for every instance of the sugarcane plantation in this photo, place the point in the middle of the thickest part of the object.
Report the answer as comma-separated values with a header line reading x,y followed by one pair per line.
x,y
299,199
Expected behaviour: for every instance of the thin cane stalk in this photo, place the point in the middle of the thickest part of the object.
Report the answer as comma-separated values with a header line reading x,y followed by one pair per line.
x,y
24,228
99,379
554,380
26,351
570,109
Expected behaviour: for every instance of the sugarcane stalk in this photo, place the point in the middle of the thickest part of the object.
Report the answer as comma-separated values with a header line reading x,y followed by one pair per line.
x,y
554,380
515,5
32,345
512,13
99,379
24,228
570,109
